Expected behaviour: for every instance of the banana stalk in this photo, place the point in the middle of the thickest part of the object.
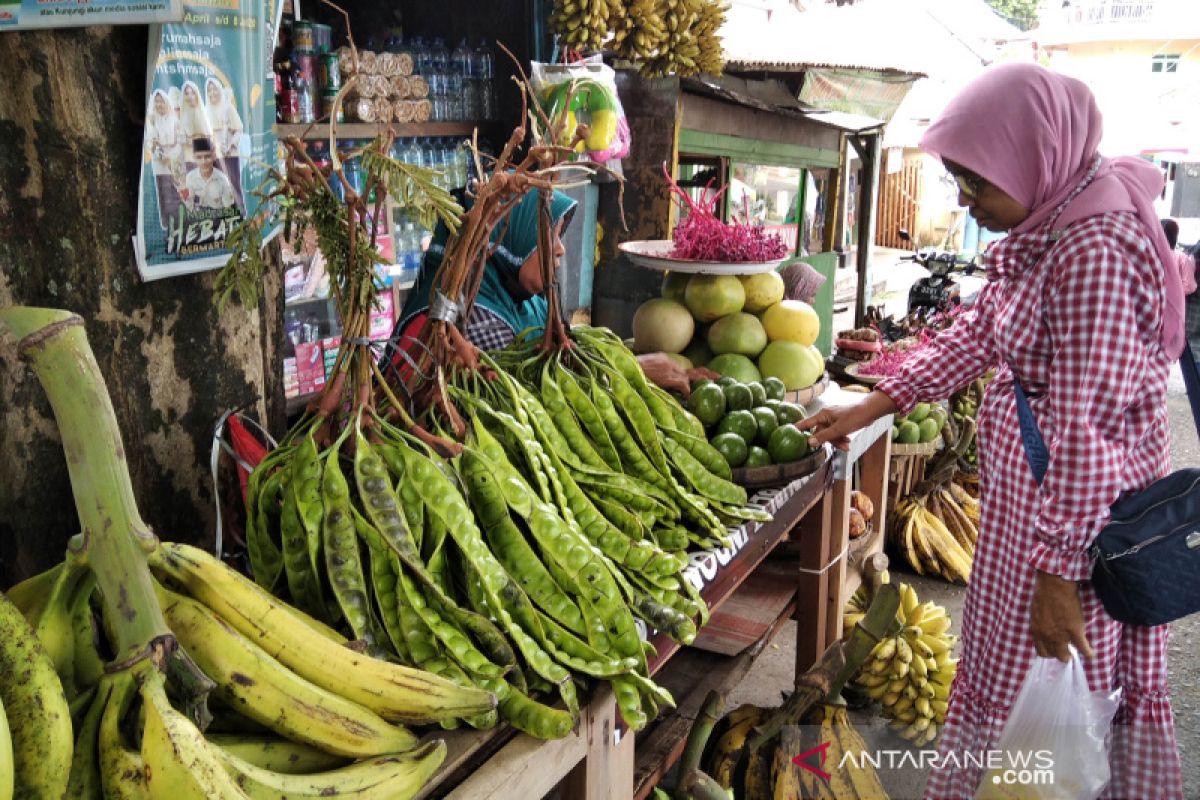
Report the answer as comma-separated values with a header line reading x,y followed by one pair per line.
x,y
115,540
840,662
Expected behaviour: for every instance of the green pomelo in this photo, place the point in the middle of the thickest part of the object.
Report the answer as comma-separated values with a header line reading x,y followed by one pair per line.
x,y
737,333
674,285
711,297
736,366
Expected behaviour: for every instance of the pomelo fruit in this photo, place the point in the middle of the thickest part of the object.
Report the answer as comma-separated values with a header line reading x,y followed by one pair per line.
x,y
792,321
674,284
711,297
736,366
797,365
737,333
762,291
661,325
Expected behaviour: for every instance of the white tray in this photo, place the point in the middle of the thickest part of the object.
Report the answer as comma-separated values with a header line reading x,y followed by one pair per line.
x,y
656,254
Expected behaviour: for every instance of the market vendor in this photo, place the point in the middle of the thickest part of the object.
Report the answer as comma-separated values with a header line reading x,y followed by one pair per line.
x,y
510,298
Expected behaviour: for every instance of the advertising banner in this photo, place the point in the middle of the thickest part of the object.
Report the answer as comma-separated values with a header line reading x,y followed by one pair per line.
x,y
209,142
18,15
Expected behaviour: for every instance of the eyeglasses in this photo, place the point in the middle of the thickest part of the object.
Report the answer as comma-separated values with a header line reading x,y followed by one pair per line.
x,y
969,185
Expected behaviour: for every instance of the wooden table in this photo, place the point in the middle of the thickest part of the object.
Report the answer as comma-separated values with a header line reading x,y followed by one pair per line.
x,y
596,761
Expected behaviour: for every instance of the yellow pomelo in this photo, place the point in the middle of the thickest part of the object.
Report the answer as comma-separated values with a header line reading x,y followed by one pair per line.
x,y
792,321
762,291
711,297
798,366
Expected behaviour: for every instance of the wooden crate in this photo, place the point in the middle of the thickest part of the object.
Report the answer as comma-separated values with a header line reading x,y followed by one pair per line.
x,y
906,470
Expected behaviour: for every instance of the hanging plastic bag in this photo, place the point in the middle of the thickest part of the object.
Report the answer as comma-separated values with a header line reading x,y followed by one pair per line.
x,y
585,92
1053,746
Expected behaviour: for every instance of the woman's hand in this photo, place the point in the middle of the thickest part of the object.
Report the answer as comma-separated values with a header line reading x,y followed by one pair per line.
x,y
835,424
665,373
1056,618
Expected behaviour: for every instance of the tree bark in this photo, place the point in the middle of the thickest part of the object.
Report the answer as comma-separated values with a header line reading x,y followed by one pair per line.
x,y
71,128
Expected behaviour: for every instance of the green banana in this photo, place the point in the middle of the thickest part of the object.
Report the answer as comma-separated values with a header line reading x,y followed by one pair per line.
x,y
276,754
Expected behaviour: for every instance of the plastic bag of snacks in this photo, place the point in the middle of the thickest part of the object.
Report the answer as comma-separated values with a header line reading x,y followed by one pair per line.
x,y
1053,745
585,93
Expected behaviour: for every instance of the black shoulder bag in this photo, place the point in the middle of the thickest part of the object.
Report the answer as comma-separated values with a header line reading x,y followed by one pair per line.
x,y
1146,560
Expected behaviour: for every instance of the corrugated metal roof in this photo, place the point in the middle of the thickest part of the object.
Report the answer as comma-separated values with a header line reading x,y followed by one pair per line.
x,y
915,37
774,96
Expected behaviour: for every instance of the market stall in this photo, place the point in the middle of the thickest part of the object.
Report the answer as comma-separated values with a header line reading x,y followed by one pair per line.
x,y
516,543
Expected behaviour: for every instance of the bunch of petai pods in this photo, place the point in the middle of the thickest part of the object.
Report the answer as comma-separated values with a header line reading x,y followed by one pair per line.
x,y
522,564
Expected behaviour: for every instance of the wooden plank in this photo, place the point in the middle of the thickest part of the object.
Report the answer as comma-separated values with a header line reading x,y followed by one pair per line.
x,y
597,776
814,534
369,130
839,543
746,617
524,768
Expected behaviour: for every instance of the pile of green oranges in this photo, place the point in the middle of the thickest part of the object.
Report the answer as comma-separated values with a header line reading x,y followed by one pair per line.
x,y
750,424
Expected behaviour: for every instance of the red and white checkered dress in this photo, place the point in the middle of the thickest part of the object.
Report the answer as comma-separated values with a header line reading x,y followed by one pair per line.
x,y
1078,317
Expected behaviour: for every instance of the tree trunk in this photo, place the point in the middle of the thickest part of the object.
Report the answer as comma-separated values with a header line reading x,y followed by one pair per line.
x,y
71,114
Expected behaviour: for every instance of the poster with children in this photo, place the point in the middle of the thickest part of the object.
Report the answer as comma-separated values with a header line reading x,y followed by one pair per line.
x,y
208,137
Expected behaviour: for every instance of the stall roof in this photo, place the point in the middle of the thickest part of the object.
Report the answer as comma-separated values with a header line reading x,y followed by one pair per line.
x,y
775,96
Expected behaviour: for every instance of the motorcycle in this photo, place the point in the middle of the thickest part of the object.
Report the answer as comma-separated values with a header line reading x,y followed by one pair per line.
x,y
939,291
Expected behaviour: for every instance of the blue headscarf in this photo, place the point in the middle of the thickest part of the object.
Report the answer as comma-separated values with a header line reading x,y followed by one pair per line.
x,y
499,291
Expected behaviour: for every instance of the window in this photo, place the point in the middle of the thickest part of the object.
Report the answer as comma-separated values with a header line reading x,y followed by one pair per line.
x,y
1165,63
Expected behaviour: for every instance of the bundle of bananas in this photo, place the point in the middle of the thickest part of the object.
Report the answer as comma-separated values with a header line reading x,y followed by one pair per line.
x,y
585,24
769,772
665,36
91,650
935,535
932,527
910,672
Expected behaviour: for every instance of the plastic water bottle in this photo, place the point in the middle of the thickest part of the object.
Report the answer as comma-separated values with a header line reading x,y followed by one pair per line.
x,y
412,153
464,70
445,148
439,66
420,55
484,67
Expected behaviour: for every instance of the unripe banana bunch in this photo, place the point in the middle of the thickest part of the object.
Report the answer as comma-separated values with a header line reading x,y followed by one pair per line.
x,y
639,31
692,45
583,24
910,673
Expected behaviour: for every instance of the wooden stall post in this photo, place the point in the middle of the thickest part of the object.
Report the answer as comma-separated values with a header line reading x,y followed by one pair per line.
x,y
606,771
812,587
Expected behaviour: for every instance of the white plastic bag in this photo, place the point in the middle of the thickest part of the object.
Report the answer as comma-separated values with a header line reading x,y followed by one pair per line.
x,y
1053,746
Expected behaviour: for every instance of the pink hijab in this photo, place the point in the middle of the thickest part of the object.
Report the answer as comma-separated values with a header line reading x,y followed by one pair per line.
x,y
1034,134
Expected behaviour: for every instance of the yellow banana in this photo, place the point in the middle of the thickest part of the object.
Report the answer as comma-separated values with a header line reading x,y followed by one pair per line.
x,y
947,550
903,704
265,691
898,684
758,775
934,644
53,625
912,691
899,668
36,709
903,650
914,617
398,694
908,603
868,679
885,650
89,665
729,747
122,770
939,708
839,782
878,692
180,763
864,780
936,626
6,757
276,754
919,668
889,699
393,777
923,707
918,643
785,774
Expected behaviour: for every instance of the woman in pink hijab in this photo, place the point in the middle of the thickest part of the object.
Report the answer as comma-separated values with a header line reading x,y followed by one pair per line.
x,y
1084,304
